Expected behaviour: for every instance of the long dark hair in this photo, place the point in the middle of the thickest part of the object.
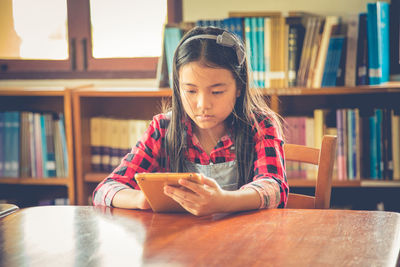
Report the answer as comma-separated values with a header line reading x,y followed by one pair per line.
x,y
249,106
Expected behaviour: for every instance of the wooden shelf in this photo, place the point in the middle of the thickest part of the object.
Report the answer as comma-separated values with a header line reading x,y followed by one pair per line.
x,y
44,98
35,181
354,183
390,87
143,103
96,177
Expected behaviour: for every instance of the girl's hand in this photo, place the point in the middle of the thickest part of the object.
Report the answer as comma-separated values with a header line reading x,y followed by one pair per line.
x,y
198,199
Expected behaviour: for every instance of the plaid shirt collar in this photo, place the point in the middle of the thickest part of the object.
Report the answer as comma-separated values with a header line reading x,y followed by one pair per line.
x,y
224,142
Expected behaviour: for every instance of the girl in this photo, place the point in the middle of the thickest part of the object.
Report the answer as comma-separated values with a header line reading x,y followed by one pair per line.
x,y
217,127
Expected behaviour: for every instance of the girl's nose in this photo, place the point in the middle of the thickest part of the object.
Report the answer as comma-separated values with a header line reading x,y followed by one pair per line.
x,y
204,101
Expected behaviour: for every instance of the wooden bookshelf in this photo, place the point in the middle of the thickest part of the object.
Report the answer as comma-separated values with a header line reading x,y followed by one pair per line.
x,y
143,104
42,99
94,177
118,102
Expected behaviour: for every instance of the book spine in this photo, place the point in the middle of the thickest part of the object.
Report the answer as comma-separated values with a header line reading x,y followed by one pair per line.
x,y
362,51
373,147
2,144
350,147
395,117
379,146
15,144
44,145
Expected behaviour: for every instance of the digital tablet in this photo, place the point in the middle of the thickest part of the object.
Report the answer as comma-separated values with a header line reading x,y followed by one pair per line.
x,y
152,185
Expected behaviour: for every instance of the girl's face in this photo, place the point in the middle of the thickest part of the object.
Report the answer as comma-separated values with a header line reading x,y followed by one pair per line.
x,y
208,96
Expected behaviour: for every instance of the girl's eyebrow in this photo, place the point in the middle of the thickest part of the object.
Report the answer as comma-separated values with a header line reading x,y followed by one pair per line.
x,y
211,86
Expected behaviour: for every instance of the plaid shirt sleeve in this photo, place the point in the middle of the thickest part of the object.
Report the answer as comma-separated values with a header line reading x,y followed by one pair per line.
x,y
269,167
144,157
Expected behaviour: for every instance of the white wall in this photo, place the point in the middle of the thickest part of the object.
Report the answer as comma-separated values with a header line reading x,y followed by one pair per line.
x,y
217,9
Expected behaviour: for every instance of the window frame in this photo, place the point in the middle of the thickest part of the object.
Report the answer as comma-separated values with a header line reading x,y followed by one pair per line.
x,y
80,63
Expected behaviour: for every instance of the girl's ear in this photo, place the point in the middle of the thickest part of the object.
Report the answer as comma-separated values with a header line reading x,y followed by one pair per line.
x,y
237,93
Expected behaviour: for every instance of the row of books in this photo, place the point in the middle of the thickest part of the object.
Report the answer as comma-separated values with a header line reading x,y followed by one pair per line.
x,y
32,145
111,139
368,142
304,49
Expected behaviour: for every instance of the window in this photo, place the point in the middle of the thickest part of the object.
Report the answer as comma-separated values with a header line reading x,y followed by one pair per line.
x,y
83,38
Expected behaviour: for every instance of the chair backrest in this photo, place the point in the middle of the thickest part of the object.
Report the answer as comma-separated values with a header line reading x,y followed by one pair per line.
x,y
6,209
324,158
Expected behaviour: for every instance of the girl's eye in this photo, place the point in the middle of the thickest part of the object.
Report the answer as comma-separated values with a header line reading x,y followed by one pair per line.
x,y
218,92
190,91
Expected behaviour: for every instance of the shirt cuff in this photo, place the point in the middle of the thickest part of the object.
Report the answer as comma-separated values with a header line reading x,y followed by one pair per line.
x,y
106,193
268,190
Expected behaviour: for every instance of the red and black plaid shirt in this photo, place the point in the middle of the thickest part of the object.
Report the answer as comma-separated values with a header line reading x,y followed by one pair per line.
x,y
269,180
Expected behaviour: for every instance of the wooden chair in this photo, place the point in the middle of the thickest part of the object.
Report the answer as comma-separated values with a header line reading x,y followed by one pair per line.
x,y
6,209
324,158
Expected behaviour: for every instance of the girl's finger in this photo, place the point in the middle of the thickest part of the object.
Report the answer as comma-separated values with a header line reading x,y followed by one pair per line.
x,y
180,195
208,181
193,186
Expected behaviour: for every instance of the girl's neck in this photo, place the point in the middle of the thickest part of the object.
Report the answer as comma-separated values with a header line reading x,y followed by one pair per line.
x,y
209,138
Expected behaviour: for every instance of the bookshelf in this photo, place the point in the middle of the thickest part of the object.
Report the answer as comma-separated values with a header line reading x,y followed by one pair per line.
x,y
139,103
116,102
56,99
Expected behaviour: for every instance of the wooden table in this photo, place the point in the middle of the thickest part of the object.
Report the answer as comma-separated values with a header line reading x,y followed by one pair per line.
x,y
89,236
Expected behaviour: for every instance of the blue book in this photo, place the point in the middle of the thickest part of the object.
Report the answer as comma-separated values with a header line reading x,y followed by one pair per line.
x,y
362,51
379,159
61,123
238,22
332,62
11,144
378,42
254,50
2,149
249,45
32,143
229,25
373,171
51,159
44,145
350,146
260,51
172,37
15,144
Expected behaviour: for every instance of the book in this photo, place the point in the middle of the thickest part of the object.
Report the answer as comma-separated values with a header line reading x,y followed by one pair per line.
x,y
341,144
387,156
365,152
362,51
333,61
395,119
319,126
394,29
95,143
51,160
330,22
373,173
351,49
379,145
2,143
14,128
37,137
172,37
25,161
296,33
378,41
44,145
350,144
